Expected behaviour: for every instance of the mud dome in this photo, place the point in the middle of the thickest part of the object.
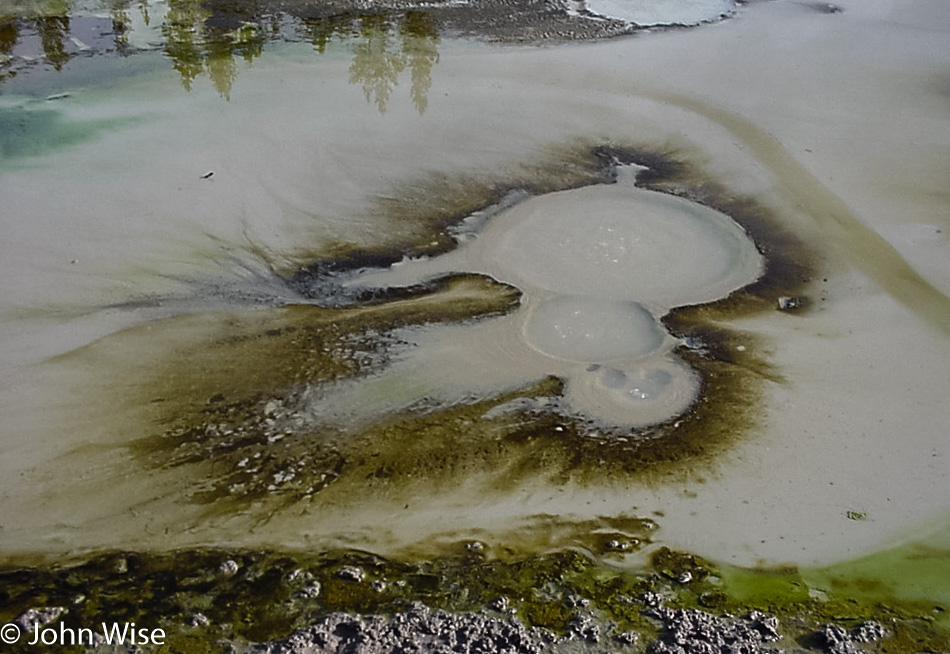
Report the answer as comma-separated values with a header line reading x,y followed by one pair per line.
x,y
579,328
599,266
620,242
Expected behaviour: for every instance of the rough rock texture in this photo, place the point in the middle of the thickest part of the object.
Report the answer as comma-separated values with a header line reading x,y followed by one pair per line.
x,y
417,630
423,630
697,632
838,640
34,618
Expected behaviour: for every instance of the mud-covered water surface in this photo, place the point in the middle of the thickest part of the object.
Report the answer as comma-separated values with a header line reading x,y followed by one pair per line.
x,y
587,345
357,397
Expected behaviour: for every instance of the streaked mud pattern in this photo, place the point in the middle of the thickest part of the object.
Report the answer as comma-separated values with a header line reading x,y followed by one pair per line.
x,y
260,415
864,248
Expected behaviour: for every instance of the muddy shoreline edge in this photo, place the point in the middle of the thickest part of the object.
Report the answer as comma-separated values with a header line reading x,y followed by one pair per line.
x,y
351,601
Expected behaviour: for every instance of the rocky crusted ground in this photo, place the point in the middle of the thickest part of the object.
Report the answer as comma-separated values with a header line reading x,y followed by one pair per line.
x,y
417,630
421,629
352,602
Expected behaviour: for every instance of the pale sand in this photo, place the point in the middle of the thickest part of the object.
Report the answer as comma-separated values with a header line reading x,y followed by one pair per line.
x,y
837,121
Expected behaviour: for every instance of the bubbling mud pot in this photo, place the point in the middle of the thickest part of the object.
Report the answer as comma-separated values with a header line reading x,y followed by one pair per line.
x,y
346,327
568,375
598,268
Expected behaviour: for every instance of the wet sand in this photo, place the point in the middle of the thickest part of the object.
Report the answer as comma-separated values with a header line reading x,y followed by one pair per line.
x,y
834,122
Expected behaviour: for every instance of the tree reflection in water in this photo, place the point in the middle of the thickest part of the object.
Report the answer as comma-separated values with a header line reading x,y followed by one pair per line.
x,y
8,39
386,46
377,62
53,31
420,41
48,19
207,36
198,39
